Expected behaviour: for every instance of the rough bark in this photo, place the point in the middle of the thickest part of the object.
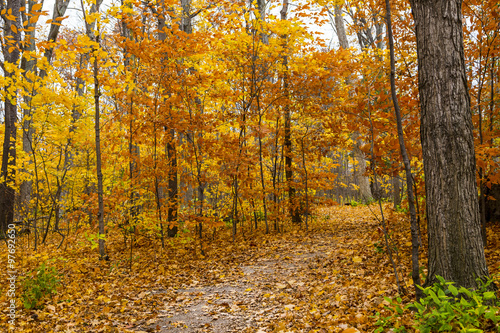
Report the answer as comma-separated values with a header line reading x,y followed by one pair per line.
x,y
454,230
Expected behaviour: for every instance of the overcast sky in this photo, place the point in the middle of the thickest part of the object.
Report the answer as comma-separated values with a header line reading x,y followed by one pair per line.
x,y
75,19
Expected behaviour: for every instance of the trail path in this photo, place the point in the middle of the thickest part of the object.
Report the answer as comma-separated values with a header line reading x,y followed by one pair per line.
x,y
331,278
252,299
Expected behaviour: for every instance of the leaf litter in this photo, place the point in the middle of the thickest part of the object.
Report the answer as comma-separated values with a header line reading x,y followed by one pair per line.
x,y
331,278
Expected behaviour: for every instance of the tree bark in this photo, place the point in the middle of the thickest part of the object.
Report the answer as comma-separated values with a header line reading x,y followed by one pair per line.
x,y
340,27
100,189
171,150
359,178
97,94
293,207
406,160
455,246
28,66
396,191
11,54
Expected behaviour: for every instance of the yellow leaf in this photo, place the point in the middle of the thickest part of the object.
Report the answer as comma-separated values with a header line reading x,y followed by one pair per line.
x,y
14,28
357,259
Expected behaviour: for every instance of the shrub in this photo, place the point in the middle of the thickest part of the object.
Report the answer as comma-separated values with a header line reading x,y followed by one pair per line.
x,y
444,308
44,283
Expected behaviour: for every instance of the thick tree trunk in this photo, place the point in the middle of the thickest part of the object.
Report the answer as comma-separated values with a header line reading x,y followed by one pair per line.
x,y
455,246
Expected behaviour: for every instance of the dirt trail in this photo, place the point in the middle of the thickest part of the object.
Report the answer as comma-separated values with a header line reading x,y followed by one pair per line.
x,y
249,302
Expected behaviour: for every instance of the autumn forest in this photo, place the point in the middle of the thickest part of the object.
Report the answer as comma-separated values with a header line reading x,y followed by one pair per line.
x,y
250,166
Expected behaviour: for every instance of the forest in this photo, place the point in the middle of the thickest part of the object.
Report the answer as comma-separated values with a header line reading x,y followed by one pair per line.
x,y
250,166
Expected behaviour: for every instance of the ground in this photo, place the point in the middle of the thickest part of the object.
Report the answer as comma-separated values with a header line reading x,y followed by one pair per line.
x,y
329,278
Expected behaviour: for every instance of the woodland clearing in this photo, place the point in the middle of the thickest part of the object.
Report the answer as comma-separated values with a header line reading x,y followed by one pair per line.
x,y
330,278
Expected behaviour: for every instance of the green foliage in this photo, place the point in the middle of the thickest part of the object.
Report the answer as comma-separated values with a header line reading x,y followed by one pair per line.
x,y
260,215
44,283
401,209
379,247
394,320
446,308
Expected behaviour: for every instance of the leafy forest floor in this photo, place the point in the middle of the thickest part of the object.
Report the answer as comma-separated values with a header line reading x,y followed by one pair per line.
x,y
330,278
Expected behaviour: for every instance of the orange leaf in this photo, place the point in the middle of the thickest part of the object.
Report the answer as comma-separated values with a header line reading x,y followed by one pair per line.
x,y
36,7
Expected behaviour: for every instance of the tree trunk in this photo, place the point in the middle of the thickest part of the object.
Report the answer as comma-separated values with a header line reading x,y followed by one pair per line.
x,y
11,53
293,207
340,27
172,186
359,178
60,7
133,148
359,171
455,246
415,232
172,189
100,190
396,191
28,66
97,94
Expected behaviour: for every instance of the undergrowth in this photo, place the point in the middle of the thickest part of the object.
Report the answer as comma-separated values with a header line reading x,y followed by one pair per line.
x,y
445,308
